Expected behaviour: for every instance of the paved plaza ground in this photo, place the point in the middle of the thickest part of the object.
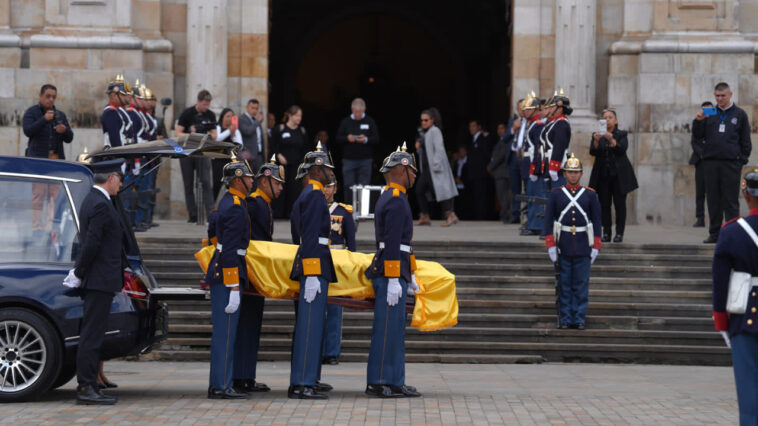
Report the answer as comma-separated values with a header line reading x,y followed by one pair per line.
x,y
174,393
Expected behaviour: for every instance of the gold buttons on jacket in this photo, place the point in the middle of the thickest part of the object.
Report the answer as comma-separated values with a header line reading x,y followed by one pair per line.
x,y
753,294
752,309
749,322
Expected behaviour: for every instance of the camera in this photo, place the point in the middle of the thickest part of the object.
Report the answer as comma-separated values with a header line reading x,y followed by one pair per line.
x,y
58,118
204,126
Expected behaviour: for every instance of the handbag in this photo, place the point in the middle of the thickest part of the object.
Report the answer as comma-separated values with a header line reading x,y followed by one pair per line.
x,y
740,283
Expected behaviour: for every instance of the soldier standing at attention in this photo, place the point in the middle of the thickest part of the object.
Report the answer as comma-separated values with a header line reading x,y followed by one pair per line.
x,y
270,180
532,107
572,229
735,254
555,138
341,236
226,274
115,120
314,269
392,275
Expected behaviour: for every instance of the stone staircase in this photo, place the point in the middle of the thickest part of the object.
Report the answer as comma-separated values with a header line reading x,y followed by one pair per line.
x,y
648,304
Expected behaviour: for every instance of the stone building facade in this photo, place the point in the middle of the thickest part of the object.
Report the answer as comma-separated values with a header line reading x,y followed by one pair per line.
x,y
654,61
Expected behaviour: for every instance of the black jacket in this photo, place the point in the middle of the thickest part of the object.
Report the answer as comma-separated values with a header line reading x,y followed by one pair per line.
x,y
42,135
100,261
479,155
614,160
697,148
365,126
733,144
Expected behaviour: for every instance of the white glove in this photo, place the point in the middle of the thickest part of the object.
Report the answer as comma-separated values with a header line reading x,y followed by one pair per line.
x,y
413,287
234,302
393,291
71,280
553,253
312,287
553,175
725,335
593,255
533,178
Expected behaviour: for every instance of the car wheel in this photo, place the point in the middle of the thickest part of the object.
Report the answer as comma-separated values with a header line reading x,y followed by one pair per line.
x,y
30,354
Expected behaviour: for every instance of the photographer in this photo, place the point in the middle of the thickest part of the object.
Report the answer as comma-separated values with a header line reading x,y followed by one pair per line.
x,y
727,147
47,130
197,119
612,174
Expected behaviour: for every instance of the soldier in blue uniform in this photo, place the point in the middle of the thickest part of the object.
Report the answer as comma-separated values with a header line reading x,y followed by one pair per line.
x,y
341,236
226,275
736,253
555,138
392,275
314,269
115,121
270,181
532,112
572,229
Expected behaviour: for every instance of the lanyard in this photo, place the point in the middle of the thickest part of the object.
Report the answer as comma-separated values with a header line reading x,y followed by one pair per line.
x,y
723,117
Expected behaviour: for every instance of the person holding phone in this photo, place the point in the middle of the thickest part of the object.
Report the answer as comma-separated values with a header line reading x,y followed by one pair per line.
x,y
697,160
612,174
726,149
227,130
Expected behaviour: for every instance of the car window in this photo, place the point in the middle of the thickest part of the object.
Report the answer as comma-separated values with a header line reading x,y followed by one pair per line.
x,y
36,221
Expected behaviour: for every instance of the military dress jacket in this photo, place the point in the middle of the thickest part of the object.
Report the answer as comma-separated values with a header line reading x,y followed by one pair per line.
x,y
232,227
532,156
573,241
342,232
555,139
310,225
735,251
393,226
261,218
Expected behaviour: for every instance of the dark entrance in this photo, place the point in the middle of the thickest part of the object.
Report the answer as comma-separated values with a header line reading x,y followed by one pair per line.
x,y
399,56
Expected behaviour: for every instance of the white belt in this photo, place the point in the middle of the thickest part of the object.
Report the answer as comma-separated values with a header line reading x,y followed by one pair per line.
x,y
573,229
241,252
337,246
403,247
323,241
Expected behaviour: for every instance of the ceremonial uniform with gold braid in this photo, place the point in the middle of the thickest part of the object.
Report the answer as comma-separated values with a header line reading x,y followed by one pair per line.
x,y
342,236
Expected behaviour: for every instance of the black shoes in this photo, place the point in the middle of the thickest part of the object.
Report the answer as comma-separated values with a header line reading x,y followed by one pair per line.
x,y
563,326
515,221
225,394
304,392
322,387
330,360
700,223
711,239
580,326
107,385
87,395
249,386
606,238
407,391
192,220
383,391
618,238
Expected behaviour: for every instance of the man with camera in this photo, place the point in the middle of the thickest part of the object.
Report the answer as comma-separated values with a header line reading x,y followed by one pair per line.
x,y
726,132
197,119
47,130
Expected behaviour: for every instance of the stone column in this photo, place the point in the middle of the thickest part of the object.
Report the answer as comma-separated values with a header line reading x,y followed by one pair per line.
x,y
575,22
207,50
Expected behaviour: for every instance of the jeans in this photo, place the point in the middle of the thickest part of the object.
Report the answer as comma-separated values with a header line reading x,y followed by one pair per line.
x,y
355,172
574,288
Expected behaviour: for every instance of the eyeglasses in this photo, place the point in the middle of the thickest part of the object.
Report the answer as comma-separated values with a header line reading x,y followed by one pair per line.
x,y
423,120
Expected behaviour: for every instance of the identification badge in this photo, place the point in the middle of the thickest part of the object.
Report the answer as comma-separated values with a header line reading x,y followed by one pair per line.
x,y
722,128
285,135
364,126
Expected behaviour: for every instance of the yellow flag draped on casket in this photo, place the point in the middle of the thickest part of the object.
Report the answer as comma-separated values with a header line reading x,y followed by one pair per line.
x,y
269,265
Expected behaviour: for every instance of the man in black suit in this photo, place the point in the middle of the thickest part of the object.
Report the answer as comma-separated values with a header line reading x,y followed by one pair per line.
x,y
99,267
479,154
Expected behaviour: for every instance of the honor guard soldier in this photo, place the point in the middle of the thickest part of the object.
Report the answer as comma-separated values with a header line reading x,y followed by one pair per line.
x,y
555,138
572,229
134,109
341,236
735,297
314,269
270,180
532,112
392,275
226,275
115,120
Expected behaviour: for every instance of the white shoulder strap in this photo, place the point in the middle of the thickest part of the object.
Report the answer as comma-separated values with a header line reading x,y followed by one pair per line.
x,y
333,207
572,202
749,229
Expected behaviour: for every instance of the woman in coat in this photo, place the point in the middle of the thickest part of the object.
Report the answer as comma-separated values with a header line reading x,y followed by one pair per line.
x,y
435,183
612,174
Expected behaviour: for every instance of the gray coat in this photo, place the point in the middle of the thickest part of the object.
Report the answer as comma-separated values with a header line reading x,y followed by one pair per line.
x,y
442,176
499,164
248,128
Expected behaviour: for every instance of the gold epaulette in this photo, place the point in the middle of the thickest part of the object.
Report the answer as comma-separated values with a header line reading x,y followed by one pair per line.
x,y
395,192
347,207
237,200
591,189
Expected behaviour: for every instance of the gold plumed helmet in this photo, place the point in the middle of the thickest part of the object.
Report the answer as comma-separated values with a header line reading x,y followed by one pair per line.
x,y
117,85
149,95
530,102
750,182
573,164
